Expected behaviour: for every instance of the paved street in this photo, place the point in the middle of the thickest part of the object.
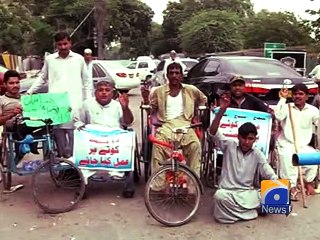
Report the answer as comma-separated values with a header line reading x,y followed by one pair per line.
x,y
106,215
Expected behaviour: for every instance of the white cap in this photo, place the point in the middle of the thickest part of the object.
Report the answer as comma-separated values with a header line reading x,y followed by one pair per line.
x,y
88,51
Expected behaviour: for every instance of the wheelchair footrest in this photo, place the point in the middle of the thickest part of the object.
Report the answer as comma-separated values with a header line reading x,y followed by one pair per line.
x,y
23,172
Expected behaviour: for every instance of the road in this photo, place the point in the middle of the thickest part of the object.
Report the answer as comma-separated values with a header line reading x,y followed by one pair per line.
x,y
106,215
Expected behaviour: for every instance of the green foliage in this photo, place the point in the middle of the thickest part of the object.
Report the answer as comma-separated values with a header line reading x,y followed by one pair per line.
x,y
276,27
14,26
211,31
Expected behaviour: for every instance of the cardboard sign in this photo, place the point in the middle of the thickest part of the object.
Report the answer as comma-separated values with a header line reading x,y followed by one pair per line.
x,y
98,148
55,106
234,118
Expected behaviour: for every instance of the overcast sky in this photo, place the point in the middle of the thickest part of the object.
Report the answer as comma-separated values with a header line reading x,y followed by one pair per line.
x,y
298,7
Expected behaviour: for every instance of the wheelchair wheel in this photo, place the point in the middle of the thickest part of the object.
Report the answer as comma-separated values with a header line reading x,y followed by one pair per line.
x,y
58,186
172,197
6,178
137,168
146,153
6,175
210,173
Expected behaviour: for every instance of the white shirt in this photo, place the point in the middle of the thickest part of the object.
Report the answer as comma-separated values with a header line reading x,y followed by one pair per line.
x,y
92,112
302,120
174,106
316,72
65,75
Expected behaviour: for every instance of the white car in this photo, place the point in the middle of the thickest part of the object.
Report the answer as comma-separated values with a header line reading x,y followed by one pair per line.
x,y
125,79
144,67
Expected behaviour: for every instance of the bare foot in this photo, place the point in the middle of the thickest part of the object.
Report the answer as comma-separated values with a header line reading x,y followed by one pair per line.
x,y
309,189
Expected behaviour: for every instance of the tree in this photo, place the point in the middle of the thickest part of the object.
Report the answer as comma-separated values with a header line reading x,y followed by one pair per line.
x,y
14,27
131,23
156,39
179,12
316,26
211,31
275,27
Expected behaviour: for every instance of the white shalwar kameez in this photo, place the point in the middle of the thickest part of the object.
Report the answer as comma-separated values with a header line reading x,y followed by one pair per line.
x,y
304,121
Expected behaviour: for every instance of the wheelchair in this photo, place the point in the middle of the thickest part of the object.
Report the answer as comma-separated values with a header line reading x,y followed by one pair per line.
x,y
129,177
148,124
48,170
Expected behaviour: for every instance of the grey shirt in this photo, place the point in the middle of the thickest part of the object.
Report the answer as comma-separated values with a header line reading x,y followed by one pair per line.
x,y
239,170
7,105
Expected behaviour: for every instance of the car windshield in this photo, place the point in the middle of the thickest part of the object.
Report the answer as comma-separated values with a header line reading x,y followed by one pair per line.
x,y
132,65
189,64
261,68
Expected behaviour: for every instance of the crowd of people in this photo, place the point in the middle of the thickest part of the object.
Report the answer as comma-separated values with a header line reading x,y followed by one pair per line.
x,y
173,104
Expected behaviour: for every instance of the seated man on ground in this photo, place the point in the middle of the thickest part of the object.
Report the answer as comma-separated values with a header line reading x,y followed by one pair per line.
x,y
105,111
11,110
174,104
236,199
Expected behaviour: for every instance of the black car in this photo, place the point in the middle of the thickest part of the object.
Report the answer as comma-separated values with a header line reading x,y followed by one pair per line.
x,y
264,76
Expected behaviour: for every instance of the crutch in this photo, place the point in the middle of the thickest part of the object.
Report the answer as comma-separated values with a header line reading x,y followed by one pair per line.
x,y
296,151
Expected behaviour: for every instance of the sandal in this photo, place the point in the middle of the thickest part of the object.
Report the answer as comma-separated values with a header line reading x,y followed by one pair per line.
x,y
294,194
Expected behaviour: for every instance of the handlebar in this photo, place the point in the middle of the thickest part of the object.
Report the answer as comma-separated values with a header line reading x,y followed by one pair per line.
x,y
45,121
183,130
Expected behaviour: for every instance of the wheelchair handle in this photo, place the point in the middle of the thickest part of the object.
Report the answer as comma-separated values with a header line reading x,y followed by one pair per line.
x,y
45,121
143,106
202,108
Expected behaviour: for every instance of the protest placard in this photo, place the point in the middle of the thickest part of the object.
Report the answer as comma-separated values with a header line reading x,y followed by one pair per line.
x,y
104,149
55,106
234,118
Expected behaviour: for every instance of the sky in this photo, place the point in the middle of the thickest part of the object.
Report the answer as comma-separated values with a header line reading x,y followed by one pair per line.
x,y
298,7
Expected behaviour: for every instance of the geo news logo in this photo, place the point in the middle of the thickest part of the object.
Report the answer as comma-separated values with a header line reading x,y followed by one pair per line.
x,y
275,197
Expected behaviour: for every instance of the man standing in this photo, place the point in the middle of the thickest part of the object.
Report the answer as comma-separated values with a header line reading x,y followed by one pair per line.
x,y
87,55
175,104
303,116
65,71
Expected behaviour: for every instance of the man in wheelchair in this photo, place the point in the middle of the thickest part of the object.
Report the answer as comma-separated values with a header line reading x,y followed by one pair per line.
x,y
236,198
103,110
174,105
11,110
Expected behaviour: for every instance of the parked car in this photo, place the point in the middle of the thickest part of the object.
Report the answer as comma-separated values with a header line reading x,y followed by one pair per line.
x,y
125,79
98,74
143,67
264,76
159,74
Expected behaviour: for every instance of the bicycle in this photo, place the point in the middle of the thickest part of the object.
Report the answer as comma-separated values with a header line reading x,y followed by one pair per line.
x,y
57,184
176,181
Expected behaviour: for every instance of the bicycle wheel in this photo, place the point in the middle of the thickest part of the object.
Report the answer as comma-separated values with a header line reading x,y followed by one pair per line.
x,y
58,186
172,197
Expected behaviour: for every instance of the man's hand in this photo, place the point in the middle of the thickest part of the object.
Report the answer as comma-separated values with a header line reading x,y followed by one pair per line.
x,y
284,92
124,100
81,127
17,110
224,102
145,93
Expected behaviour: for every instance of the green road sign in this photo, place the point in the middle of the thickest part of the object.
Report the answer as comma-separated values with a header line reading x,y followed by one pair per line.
x,y
268,47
